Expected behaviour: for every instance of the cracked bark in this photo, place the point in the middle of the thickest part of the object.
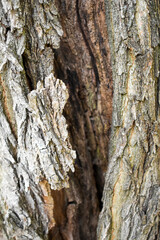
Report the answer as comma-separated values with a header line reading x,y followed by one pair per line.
x,y
85,69
131,206
76,41
37,152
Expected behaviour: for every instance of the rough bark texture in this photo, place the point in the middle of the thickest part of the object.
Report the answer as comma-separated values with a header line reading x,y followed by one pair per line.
x,y
36,155
42,41
131,199
35,148
83,63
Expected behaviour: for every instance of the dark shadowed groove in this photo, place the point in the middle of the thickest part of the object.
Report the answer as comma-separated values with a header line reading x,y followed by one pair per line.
x,y
27,72
84,66
88,45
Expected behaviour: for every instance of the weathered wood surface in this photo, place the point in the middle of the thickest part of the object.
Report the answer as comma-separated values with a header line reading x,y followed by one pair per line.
x,y
38,46
83,63
131,199
35,155
35,148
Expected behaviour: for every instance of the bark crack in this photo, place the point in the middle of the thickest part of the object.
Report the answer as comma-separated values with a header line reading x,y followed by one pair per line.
x,y
93,60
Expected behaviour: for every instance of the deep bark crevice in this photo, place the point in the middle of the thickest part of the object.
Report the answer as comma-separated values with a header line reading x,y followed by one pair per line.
x,y
30,83
88,45
82,60
84,66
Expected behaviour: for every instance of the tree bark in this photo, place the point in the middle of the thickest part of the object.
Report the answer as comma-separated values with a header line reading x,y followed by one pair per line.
x,y
36,148
36,153
83,63
47,189
131,206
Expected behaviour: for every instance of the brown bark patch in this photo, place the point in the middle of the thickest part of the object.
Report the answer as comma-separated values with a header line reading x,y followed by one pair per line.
x,y
83,63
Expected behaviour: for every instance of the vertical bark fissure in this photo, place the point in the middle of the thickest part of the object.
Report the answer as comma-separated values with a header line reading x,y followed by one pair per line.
x,y
83,63
27,73
29,37
88,46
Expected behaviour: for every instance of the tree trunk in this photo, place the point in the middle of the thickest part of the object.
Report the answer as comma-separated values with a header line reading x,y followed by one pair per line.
x,y
36,154
36,149
47,189
131,206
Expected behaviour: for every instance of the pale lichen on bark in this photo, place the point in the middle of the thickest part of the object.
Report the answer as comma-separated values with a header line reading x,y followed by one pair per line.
x,y
35,151
131,205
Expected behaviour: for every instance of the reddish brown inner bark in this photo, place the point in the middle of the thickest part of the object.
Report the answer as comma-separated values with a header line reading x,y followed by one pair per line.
x,y
83,63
